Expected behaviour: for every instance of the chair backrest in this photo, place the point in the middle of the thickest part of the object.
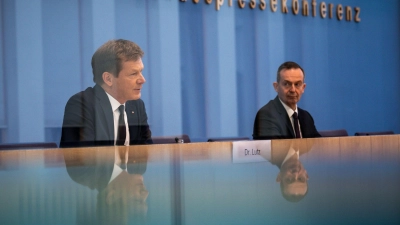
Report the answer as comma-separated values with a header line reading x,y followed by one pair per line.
x,y
228,139
333,133
182,138
22,146
374,133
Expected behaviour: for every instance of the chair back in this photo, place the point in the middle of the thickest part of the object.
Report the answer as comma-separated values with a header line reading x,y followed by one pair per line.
x,y
333,133
22,146
182,138
374,133
228,139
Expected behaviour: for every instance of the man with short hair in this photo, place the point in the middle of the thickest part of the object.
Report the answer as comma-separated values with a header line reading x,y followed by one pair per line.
x,y
110,113
281,118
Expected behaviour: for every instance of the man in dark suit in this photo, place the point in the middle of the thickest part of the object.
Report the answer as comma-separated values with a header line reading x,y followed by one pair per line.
x,y
277,118
93,117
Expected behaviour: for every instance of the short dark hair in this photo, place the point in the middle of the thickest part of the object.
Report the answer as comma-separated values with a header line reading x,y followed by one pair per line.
x,y
287,66
109,57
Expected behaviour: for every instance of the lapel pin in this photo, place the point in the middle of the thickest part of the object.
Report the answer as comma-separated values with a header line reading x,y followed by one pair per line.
x,y
133,112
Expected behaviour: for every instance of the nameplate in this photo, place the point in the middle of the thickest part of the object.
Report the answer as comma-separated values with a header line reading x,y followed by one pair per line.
x,y
251,151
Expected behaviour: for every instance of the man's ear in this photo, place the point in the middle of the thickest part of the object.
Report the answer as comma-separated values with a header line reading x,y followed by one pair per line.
x,y
275,86
108,78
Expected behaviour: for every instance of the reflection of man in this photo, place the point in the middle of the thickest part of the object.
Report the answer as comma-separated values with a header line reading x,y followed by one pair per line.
x,y
293,178
92,117
121,195
123,201
292,175
277,118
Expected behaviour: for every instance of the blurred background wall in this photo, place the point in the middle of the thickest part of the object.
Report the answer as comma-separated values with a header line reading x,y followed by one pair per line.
x,y
207,71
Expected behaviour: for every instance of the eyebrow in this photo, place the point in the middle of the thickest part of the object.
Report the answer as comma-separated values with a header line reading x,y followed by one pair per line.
x,y
292,82
137,70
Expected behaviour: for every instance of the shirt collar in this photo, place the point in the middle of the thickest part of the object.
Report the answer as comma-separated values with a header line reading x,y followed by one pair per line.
x,y
114,103
116,172
289,110
291,153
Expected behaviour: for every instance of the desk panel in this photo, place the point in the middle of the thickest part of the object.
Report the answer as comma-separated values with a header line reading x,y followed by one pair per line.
x,y
347,180
385,147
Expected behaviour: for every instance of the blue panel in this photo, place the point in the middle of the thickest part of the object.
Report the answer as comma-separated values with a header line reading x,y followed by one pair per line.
x,y
170,67
103,21
268,38
29,52
86,40
61,61
164,68
246,75
227,71
2,77
274,55
153,69
10,68
211,72
192,64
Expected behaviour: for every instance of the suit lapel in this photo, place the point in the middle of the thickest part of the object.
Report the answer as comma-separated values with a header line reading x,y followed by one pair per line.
x,y
106,110
284,116
132,115
303,126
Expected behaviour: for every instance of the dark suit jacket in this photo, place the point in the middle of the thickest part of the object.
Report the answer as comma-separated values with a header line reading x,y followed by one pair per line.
x,y
93,167
88,120
273,122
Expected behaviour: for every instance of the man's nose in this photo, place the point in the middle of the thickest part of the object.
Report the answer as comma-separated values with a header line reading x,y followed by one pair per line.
x,y
142,80
301,177
295,169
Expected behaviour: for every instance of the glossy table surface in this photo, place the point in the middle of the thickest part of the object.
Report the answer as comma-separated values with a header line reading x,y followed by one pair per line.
x,y
346,180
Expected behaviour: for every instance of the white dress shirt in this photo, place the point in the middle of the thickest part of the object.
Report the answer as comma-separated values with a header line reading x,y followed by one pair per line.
x,y
290,112
290,153
114,105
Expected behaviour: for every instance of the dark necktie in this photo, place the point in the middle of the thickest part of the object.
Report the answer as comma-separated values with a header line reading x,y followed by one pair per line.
x,y
122,156
121,135
296,125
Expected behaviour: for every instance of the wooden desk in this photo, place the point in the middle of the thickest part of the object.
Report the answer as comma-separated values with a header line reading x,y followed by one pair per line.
x,y
351,179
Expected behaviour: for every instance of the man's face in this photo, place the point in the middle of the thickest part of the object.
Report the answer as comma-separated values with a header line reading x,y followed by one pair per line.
x,y
128,188
137,190
128,194
128,84
290,87
293,177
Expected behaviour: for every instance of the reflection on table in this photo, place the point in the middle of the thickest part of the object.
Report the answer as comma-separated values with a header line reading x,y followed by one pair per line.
x,y
325,180
121,191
